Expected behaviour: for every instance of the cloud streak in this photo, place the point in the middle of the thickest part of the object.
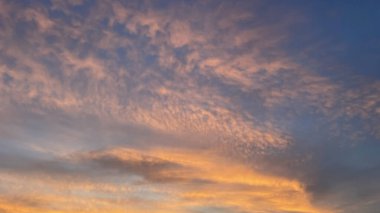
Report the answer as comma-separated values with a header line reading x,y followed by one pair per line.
x,y
192,180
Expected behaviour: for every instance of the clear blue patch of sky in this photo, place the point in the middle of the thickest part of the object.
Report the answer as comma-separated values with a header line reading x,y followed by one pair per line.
x,y
348,30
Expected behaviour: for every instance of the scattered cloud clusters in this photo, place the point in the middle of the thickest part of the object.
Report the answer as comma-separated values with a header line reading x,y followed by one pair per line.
x,y
175,106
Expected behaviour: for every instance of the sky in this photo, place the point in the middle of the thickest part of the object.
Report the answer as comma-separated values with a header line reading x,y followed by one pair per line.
x,y
189,106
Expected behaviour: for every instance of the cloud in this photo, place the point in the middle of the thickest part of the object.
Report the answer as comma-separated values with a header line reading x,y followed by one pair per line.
x,y
42,21
96,85
195,178
206,98
126,161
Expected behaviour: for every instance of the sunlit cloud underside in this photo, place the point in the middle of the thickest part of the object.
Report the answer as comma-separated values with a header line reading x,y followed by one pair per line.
x,y
189,106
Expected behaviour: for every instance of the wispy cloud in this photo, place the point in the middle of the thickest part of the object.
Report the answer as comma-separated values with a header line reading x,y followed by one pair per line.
x,y
186,179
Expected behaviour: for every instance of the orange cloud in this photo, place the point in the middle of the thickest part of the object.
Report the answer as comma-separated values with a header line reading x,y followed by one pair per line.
x,y
174,180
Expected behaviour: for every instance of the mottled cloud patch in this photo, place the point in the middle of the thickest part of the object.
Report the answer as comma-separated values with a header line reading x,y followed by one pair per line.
x,y
182,106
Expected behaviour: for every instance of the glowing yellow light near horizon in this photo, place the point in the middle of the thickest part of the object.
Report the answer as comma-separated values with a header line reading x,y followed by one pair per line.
x,y
202,179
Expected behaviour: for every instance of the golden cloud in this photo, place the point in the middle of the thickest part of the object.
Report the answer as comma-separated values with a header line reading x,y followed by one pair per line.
x,y
174,180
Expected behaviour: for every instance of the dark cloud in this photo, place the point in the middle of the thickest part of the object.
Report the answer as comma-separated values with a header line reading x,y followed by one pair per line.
x,y
339,174
152,169
347,175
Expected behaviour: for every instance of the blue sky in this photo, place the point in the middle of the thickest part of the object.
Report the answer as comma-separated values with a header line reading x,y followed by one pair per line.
x,y
189,106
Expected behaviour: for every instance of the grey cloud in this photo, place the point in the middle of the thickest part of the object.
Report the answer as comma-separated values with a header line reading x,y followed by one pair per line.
x,y
96,166
341,175
152,169
346,176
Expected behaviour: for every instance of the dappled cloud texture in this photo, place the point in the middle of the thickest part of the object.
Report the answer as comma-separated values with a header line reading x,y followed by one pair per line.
x,y
189,106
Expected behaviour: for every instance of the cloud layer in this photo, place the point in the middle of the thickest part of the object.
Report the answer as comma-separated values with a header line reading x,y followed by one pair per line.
x,y
176,106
